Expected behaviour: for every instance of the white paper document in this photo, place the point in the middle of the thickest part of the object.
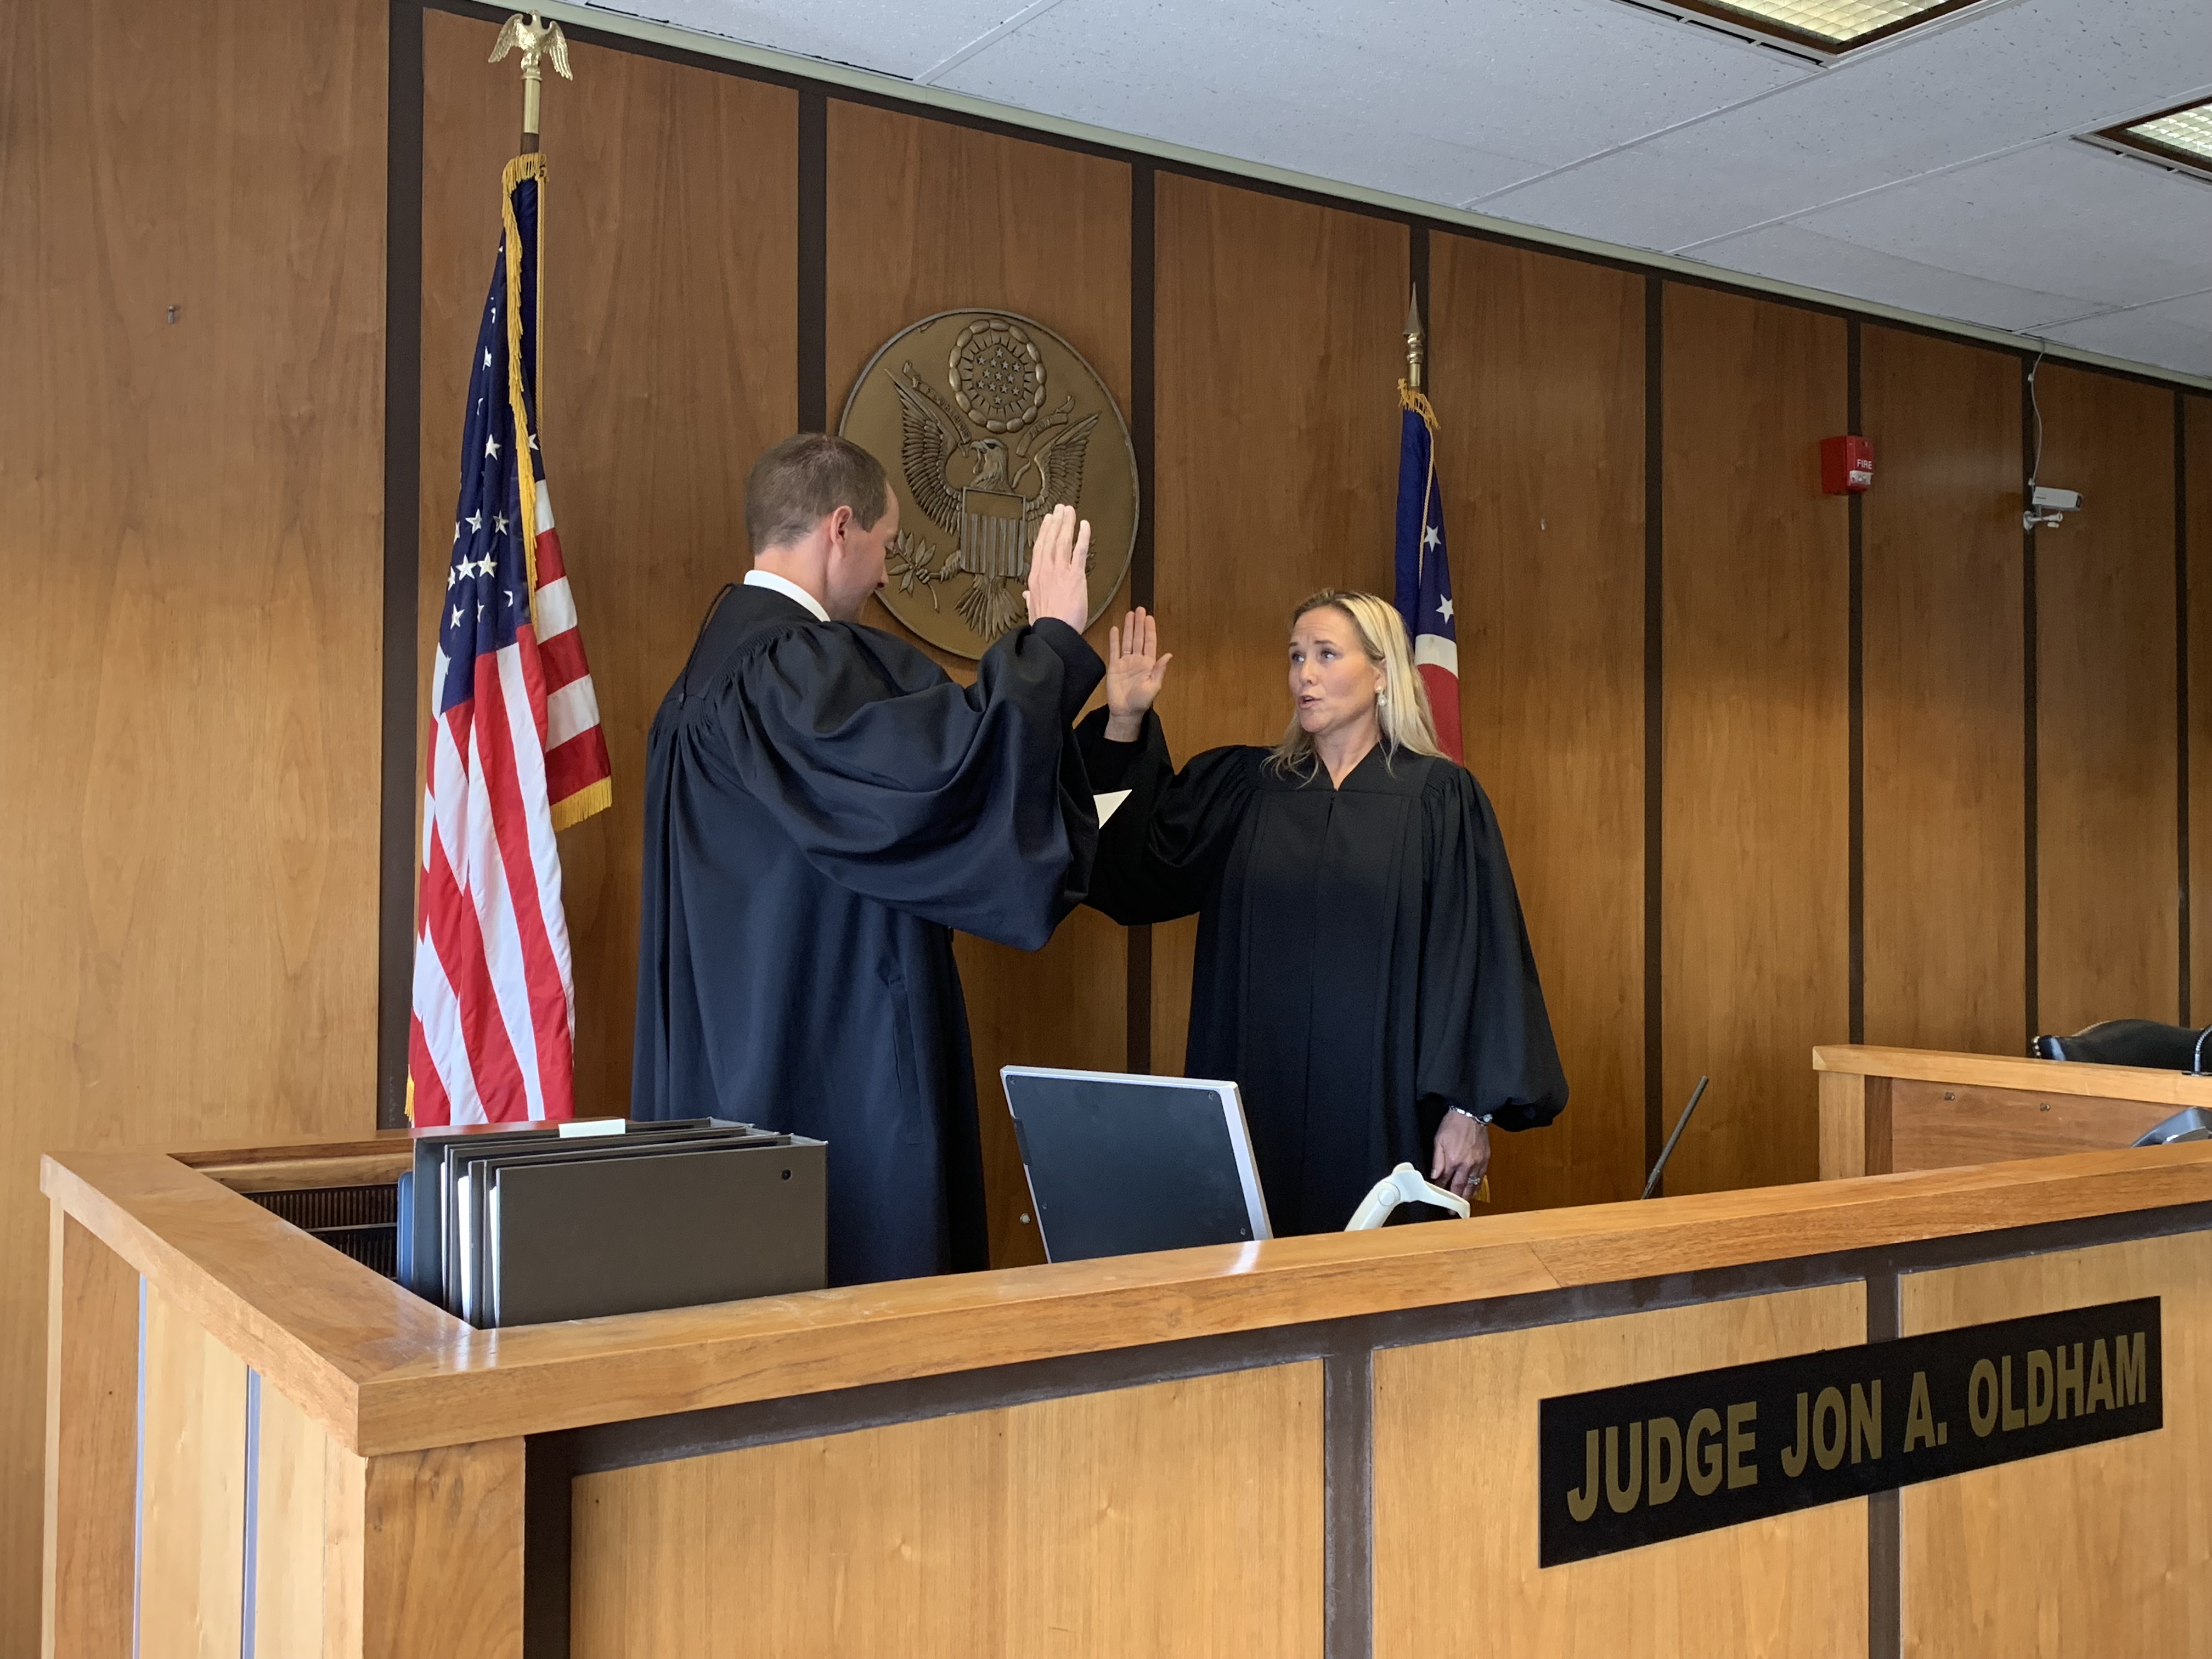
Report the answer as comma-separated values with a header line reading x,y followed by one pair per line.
x,y
1106,803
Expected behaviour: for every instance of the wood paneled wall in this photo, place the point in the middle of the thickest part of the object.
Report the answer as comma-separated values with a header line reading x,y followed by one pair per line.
x,y
2108,857
1945,725
191,525
1276,466
191,544
1755,919
1537,372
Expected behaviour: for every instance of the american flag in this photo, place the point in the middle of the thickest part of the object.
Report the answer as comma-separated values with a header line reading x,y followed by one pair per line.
x,y
516,750
1425,594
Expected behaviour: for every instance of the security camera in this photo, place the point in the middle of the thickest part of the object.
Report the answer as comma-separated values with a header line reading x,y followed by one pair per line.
x,y
2047,507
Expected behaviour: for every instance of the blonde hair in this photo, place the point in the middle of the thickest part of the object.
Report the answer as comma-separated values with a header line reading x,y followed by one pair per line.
x,y
1403,711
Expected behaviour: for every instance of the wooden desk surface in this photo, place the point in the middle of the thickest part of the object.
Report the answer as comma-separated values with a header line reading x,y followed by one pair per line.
x,y
2047,1077
383,1371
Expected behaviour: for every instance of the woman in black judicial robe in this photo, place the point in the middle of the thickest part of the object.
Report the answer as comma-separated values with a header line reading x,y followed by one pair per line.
x,y
1362,972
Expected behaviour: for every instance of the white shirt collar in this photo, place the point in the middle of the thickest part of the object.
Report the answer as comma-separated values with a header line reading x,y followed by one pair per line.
x,y
788,588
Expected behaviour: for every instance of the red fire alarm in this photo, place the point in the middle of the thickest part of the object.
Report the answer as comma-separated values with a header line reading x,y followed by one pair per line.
x,y
1846,465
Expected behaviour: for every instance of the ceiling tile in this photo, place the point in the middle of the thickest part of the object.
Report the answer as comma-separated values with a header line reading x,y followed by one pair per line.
x,y
1642,197
1986,83
885,35
2094,227
1791,253
2177,333
1437,99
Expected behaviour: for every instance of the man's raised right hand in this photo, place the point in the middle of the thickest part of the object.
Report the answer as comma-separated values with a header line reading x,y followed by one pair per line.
x,y
1060,581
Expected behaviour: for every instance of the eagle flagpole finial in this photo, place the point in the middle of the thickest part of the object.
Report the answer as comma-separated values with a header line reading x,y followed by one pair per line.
x,y
538,41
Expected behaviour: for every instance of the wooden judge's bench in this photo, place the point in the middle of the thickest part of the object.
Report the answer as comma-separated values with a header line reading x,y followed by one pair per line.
x,y
1883,1110
1312,1447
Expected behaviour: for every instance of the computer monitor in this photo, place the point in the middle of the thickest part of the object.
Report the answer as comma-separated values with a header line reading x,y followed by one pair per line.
x,y
1119,1164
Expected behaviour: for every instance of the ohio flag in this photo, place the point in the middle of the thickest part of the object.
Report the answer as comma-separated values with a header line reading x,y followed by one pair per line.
x,y
1424,590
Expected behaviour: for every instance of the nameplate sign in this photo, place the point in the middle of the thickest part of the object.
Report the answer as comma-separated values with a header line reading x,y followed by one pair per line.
x,y
1649,1462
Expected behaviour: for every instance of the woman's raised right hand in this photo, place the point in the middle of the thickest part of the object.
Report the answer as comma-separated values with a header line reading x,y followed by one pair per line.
x,y
1134,671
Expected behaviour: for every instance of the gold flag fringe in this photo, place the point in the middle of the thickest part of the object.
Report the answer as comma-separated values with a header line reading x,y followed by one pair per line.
x,y
1418,403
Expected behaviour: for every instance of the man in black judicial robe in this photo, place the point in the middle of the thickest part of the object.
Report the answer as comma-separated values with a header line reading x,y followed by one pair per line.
x,y
823,805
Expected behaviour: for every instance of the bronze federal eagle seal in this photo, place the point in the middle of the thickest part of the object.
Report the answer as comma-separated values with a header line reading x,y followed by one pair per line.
x,y
985,422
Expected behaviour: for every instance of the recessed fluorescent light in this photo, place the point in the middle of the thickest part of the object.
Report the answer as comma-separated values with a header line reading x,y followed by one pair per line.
x,y
2176,138
1828,26
2188,131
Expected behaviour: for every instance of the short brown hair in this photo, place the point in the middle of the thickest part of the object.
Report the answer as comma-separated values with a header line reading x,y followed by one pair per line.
x,y
803,480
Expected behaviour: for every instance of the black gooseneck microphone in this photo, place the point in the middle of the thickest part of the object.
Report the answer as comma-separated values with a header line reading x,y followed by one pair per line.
x,y
1668,1151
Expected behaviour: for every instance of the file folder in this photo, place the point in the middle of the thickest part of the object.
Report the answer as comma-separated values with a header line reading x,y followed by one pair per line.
x,y
669,1228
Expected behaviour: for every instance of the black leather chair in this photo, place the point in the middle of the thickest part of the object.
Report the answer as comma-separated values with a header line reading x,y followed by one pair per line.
x,y
2146,1042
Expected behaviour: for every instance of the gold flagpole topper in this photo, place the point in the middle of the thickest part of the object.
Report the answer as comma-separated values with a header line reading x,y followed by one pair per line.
x,y
539,42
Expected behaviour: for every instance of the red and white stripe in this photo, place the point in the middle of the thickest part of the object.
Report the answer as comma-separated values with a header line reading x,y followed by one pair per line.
x,y
576,768
493,1029
1436,660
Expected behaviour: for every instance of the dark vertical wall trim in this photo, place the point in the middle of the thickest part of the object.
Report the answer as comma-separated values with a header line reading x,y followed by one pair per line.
x,y
1654,684
1143,331
1348,1505
813,260
1143,335
548,1475
2181,678
403,439
1855,420
2031,907
1139,1030
1885,1535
